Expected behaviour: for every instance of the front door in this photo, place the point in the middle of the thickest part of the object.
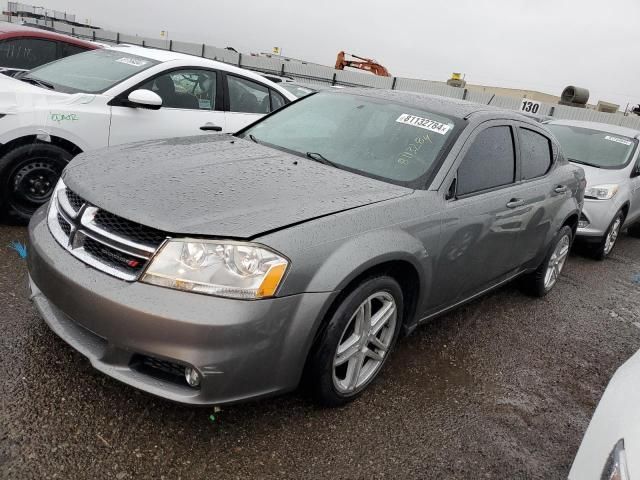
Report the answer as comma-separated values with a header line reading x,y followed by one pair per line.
x,y
190,106
482,218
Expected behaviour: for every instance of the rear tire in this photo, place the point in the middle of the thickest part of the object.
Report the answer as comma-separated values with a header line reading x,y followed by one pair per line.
x,y
28,175
353,347
542,281
604,248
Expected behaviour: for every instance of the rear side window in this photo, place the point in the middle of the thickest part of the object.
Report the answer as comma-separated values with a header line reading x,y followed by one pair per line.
x,y
489,163
247,96
26,53
536,154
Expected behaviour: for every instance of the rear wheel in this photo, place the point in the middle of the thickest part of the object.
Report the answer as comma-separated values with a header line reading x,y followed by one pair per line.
x,y
603,249
28,175
355,345
542,281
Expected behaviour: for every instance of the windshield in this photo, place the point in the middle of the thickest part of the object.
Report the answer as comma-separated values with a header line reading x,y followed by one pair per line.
x,y
594,147
298,90
374,137
90,72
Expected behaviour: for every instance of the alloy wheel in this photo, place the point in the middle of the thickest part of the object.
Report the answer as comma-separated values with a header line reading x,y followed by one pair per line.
x,y
612,236
365,342
556,262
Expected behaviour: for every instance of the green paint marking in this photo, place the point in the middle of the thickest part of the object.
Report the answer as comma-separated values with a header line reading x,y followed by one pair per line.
x,y
64,117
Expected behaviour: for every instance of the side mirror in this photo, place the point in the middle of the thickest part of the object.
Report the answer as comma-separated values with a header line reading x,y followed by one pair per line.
x,y
145,99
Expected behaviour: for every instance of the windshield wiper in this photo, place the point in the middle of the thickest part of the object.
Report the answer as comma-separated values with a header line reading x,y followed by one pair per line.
x,y
253,139
39,83
584,163
318,157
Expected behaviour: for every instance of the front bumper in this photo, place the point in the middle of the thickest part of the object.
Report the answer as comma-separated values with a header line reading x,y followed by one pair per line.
x,y
243,349
600,214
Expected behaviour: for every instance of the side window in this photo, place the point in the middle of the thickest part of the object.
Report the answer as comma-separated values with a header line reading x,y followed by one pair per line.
x,y
489,163
26,53
247,96
536,154
187,89
277,100
67,49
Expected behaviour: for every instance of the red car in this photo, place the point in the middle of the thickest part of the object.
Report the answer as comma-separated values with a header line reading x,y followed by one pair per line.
x,y
23,48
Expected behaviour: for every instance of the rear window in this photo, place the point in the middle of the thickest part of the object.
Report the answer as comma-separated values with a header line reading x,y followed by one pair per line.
x,y
26,53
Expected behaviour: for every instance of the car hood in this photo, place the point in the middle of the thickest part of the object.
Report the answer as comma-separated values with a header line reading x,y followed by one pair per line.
x,y
217,185
17,96
601,176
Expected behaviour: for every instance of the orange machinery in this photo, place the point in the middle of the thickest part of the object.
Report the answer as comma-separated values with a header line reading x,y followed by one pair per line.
x,y
362,63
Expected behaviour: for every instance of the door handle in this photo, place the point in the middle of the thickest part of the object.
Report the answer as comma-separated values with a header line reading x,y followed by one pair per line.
x,y
560,189
210,127
515,203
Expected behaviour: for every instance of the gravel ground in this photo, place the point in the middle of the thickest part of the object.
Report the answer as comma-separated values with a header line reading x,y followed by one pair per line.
x,y
502,388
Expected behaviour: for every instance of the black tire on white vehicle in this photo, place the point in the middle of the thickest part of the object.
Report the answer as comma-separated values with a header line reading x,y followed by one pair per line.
x,y
28,175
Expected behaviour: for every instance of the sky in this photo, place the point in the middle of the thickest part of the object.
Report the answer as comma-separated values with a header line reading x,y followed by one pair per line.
x,y
540,45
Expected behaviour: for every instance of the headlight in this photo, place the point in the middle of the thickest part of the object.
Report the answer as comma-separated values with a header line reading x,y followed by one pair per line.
x,y
226,269
601,192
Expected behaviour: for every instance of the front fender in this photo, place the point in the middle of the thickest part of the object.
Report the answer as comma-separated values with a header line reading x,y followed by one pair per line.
x,y
29,131
364,252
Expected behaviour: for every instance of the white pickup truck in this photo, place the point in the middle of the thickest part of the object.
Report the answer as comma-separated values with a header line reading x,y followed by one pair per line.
x,y
111,96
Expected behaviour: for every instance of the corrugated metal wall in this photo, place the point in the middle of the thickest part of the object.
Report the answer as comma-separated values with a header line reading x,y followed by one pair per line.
x,y
320,75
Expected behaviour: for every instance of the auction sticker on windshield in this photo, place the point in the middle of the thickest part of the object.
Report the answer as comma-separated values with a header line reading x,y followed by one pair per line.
x,y
136,62
427,124
618,140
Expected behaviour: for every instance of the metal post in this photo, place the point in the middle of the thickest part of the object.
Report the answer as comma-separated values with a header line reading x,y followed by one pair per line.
x,y
282,70
464,95
117,37
333,81
93,35
143,43
393,85
171,45
552,111
239,59
202,54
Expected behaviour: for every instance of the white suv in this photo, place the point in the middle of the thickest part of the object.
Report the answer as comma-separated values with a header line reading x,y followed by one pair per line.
x,y
111,96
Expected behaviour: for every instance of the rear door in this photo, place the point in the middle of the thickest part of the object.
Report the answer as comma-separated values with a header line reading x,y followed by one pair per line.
x,y
542,191
482,219
191,105
247,101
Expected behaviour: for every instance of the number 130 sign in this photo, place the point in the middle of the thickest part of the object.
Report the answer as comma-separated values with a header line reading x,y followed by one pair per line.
x,y
530,106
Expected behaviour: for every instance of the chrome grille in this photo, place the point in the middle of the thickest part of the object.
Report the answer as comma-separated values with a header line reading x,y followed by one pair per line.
x,y
75,201
109,243
128,229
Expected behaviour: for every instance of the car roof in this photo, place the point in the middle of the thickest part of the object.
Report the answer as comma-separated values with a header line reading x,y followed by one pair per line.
x,y
603,127
452,107
12,30
163,56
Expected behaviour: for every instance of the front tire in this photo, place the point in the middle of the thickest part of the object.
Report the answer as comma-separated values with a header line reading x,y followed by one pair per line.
x,y
28,175
356,342
542,281
603,249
